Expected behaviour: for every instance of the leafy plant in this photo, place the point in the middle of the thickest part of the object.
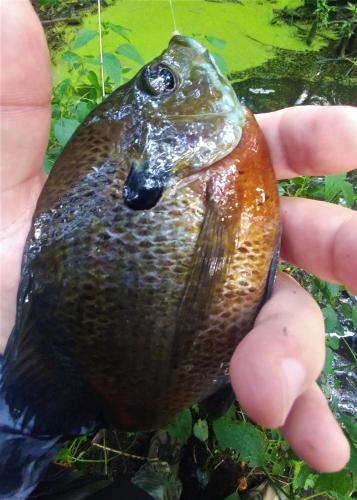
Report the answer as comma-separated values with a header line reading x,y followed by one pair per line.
x,y
265,453
73,451
75,96
181,427
332,188
326,18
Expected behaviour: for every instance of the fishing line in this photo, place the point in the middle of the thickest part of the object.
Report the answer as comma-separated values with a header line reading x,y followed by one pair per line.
x,y
101,47
176,31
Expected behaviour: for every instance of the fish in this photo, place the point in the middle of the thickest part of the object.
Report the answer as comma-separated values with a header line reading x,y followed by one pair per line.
x,y
153,246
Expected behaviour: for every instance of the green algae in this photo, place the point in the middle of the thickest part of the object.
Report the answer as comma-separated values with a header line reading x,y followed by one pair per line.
x,y
308,65
250,37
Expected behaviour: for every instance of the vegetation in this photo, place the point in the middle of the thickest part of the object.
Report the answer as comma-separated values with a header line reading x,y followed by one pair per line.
x,y
231,442
335,19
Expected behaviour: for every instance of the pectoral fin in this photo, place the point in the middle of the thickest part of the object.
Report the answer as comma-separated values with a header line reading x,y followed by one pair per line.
x,y
209,265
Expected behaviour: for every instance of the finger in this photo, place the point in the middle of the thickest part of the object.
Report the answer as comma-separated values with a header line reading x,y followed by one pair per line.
x,y
314,434
24,101
311,140
321,238
281,357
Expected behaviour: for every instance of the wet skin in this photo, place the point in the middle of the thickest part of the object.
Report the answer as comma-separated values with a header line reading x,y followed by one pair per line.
x,y
149,254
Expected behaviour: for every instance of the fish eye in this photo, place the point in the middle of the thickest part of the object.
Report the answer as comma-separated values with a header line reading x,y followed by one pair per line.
x,y
158,79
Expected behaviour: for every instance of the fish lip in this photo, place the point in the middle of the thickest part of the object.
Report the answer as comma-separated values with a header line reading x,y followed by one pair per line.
x,y
187,42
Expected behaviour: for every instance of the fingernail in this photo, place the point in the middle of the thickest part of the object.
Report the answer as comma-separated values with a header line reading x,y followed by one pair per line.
x,y
293,380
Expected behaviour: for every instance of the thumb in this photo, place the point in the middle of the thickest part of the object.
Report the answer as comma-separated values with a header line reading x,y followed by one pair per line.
x,y
25,90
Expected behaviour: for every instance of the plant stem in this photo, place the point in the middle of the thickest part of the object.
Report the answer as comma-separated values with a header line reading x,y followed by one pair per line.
x,y
124,454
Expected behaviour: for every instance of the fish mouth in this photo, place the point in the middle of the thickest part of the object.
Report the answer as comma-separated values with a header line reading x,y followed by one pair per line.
x,y
187,42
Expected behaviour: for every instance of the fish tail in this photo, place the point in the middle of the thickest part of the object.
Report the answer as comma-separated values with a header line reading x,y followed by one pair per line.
x,y
23,458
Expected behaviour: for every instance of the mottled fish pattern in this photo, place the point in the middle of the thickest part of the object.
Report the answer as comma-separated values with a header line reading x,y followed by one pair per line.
x,y
148,256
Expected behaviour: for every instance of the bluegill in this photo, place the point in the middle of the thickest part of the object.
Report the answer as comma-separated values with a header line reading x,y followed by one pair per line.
x,y
152,248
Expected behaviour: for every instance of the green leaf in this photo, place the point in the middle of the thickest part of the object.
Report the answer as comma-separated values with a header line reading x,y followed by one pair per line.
x,y
120,30
333,342
338,482
352,464
333,185
47,164
339,329
62,89
64,129
282,189
347,310
350,426
130,52
328,366
354,316
64,455
216,42
93,79
330,318
221,62
278,468
242,437
181,428
92,60
112,66
333,289
71,57
83,38
81,110
233,496
200,430
276,435
302,473
231,412
348,193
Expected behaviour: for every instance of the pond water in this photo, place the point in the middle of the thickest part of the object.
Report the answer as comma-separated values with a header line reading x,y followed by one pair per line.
x,y
241,32
269,60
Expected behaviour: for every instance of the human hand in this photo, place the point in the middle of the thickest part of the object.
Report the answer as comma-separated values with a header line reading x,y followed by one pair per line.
x,y
25,93
307,140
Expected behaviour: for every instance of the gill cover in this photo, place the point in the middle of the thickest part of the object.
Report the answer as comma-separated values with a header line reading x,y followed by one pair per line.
x,y
189,118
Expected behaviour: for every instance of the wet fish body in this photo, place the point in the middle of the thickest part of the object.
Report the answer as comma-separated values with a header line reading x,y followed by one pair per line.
x,y
148,257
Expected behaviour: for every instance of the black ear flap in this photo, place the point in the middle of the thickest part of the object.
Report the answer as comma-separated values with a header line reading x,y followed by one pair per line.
x,y
141,192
